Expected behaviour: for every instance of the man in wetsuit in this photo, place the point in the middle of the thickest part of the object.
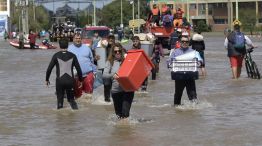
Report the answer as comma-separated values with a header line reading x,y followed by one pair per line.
x,y
65,62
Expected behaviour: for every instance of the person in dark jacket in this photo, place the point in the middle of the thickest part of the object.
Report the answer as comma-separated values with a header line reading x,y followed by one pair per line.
x,y
198,44
65,62
122,99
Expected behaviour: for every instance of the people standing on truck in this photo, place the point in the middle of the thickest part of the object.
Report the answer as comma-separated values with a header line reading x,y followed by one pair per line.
x,y
167,19
235,43
178,16
157,54
32,39
86,60
198,44
185,81
154,16
164,9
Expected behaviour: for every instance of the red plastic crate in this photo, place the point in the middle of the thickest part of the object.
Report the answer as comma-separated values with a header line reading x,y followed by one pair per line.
x,y
134,70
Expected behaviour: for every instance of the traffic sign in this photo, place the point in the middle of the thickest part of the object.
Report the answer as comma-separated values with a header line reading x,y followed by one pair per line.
x,y
136,22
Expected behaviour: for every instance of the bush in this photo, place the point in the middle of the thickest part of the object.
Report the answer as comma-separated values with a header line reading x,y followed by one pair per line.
x,y
202,26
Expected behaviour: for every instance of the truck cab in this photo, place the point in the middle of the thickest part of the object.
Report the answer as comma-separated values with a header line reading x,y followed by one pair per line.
x,y
88,33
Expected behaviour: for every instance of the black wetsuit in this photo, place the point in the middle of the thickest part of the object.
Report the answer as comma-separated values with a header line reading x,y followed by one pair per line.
x,y
64,62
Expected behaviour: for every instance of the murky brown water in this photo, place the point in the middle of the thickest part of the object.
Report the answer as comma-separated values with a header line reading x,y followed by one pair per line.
x,y
229,113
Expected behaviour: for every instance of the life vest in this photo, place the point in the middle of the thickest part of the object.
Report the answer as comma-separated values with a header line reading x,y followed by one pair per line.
x,y
155,11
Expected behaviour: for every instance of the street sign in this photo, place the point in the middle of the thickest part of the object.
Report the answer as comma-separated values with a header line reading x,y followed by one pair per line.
x,y
136,22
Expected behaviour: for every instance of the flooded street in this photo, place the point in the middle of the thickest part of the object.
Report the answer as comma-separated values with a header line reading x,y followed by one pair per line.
x,y
229,112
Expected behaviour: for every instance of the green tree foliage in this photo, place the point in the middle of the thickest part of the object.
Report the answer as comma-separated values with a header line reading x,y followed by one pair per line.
x,y
202,26
41,21
84,19
41,18
111,13
248,19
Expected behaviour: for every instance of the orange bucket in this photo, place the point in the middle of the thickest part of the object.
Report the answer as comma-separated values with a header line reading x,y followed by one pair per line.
x,y
134,70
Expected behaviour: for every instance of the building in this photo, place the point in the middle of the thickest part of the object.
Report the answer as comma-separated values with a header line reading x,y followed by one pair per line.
x,y
4,15
218,14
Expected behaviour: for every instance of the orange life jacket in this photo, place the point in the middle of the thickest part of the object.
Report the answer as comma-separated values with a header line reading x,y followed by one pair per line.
x,y
155,11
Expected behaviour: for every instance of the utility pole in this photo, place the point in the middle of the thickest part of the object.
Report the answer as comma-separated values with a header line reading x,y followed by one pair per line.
x,y
34,8
133,5
23,6
237,9
94,4
121,25
138,11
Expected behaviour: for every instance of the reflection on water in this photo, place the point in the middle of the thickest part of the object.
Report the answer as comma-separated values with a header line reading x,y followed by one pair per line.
x,y
229,112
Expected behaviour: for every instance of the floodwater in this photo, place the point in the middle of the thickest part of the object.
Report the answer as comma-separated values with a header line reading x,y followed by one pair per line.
x,y
229,112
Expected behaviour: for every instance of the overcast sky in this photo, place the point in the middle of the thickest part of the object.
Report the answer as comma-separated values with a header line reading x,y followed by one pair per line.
x,y
55,5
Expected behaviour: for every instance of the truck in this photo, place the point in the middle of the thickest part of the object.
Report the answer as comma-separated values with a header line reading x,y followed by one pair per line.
x,y
88,33
164,33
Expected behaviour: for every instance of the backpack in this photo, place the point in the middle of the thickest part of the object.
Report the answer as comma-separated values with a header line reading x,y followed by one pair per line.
x,y
239,41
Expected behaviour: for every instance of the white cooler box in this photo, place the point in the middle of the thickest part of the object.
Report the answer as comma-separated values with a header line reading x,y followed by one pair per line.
x,y
184,70
147,47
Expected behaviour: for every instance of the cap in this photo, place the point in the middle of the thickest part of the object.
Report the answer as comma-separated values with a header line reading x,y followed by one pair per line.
x,y
237,22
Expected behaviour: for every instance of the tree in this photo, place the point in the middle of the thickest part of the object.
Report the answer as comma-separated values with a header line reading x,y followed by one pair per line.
x,y
41,17
111,13
248,19
202,26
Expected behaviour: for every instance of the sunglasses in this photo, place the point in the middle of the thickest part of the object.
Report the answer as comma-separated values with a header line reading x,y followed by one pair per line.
x,y
184,41
117,51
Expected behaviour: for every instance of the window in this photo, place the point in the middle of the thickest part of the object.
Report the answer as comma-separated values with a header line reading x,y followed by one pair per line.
x,y
220,21
3,5
88,34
